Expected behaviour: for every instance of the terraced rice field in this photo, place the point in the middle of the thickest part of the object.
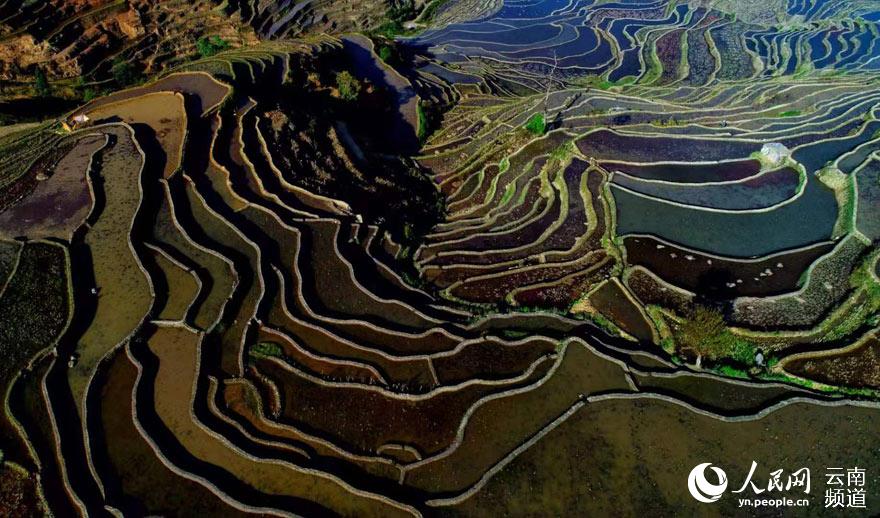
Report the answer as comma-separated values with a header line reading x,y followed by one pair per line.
x,y
471,285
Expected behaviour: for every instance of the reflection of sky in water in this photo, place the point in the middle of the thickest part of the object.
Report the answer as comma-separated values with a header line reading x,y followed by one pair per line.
x,y
592,37
603,37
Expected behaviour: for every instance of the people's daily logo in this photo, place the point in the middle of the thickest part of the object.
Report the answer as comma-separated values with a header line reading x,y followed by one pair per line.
x,y
701,488
844,488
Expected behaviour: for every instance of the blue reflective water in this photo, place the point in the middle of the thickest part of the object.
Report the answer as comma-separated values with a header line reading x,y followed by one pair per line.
x,y
614,37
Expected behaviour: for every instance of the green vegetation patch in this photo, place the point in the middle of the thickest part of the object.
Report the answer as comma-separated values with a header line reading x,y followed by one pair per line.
x,y
601,83
509,191
422,132
536,124
732,372
41,83
349,87
385,53
125,73
266,350
790,113
705,334
564,152
862,279
605,324
395,17
210,45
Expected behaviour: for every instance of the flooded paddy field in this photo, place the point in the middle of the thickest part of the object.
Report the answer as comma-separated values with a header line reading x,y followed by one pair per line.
x,y
442,259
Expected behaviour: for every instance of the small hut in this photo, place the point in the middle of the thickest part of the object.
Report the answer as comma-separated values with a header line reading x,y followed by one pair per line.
x,y
79,120
76,122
